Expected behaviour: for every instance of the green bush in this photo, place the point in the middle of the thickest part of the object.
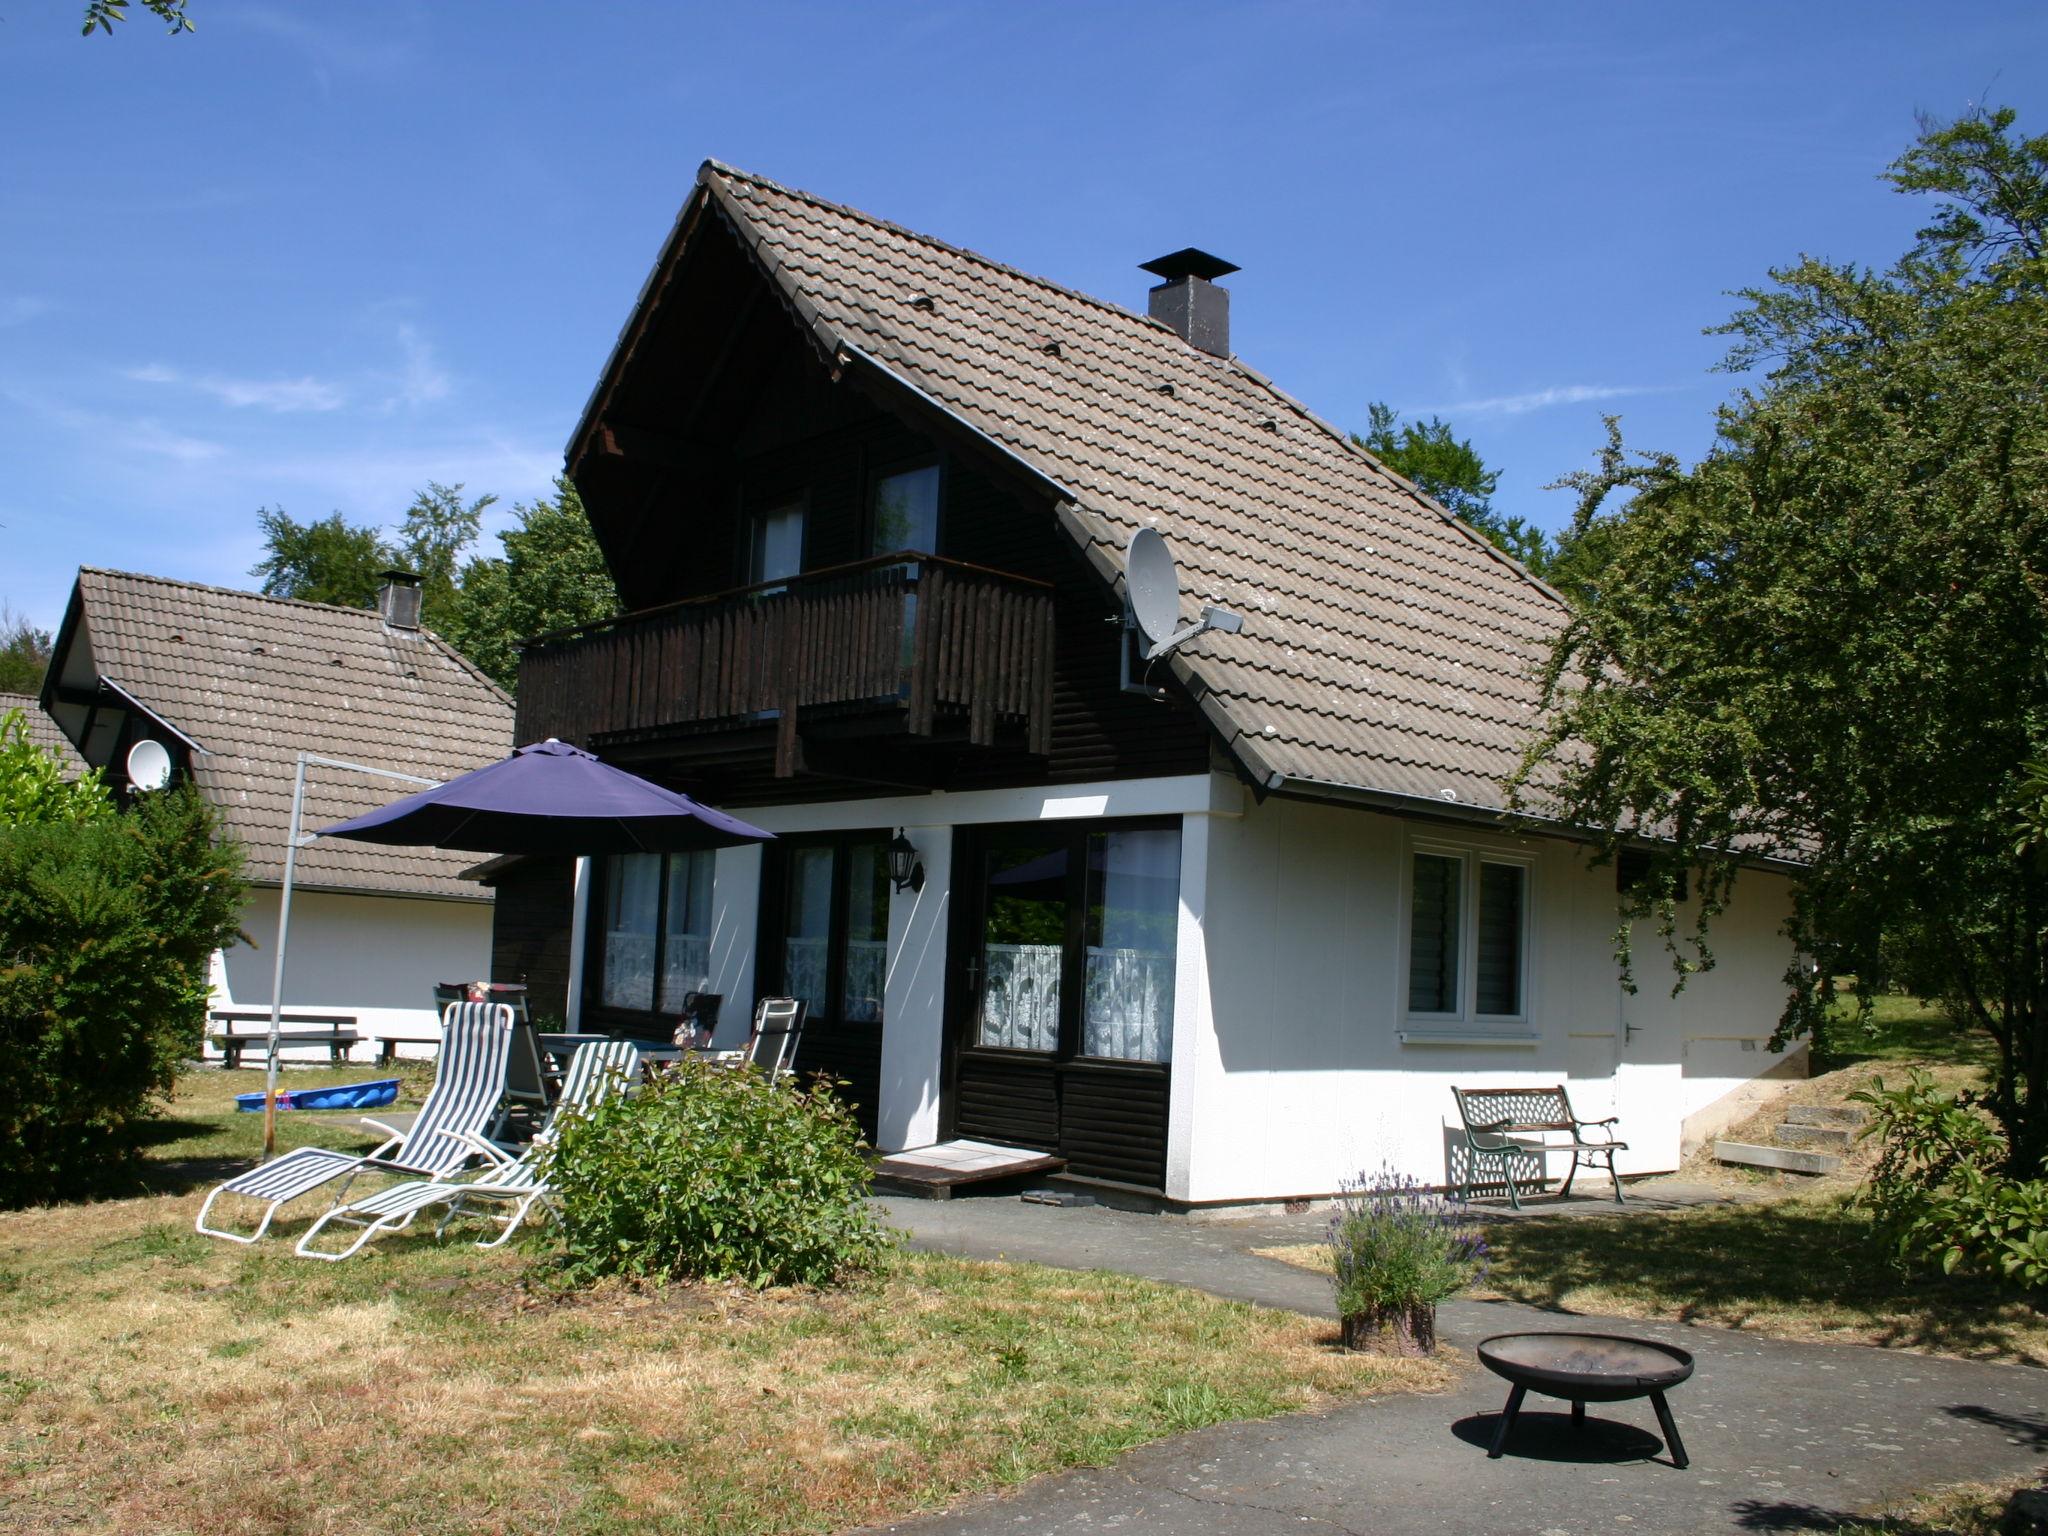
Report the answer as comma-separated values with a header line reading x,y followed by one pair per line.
x,y
713,1174
107,925
33,788
1396,1245
1942,1192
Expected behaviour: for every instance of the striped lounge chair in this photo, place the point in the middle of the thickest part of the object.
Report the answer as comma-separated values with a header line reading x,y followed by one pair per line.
x,y
595,1070
469,1083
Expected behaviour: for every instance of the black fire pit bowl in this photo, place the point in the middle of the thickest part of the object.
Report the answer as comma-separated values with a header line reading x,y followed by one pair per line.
x,y
1586,1368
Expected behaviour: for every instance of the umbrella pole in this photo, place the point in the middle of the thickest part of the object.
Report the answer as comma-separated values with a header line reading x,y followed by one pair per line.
x,y
284,923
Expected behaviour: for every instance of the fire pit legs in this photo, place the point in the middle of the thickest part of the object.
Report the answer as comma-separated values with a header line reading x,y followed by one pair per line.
x,y
1507,1421
1578,1413
1669,1425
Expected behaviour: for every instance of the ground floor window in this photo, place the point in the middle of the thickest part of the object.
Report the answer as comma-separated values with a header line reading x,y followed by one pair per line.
x,y
834,928
656,925
1467,935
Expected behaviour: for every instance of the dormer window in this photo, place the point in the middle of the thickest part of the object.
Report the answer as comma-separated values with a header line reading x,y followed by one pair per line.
x,y
905,513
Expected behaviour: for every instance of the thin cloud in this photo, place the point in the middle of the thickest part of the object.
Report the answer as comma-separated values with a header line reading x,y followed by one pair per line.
x,y
421,378
1542,399
22,308
279,395
154,438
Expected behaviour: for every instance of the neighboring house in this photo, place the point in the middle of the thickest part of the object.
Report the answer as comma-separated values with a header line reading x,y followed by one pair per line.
x,y
1230,937
236,685
43,731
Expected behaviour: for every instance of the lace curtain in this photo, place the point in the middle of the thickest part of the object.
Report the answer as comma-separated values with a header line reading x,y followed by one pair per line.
x,y
1020,997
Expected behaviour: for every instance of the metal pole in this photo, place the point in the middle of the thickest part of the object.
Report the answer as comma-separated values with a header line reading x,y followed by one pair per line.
x,y
284,923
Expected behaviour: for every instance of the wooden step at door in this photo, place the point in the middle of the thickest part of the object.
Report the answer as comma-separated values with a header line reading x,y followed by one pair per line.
x,y
1782,1159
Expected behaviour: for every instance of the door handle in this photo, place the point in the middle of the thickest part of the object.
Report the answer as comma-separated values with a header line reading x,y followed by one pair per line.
x,y
1629,1031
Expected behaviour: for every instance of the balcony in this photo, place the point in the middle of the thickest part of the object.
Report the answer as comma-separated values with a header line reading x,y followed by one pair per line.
x,y
908,643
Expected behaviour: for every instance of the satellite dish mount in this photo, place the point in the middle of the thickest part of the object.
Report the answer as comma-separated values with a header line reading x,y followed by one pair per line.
x,y
1152,626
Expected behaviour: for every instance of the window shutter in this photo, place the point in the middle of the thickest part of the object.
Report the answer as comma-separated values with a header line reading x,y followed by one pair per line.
x,y
1498,972
1433,935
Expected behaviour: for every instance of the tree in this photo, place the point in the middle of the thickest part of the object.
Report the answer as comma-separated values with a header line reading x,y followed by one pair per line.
x,y
33,789
435,531
1449,470
1828,640
551,575
24,653
100,15
324,561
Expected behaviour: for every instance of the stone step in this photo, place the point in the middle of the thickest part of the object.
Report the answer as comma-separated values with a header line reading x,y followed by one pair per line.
x,y
1827,1114
1785,1159
1825,1138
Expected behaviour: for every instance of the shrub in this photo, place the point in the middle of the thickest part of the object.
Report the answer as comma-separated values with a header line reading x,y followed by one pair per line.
x,y
107,926
715,1174
1941,1192
33,789
1397,1249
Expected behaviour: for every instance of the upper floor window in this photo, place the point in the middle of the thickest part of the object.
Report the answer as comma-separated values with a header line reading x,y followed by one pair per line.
x,y
1468,926
906,511
776,550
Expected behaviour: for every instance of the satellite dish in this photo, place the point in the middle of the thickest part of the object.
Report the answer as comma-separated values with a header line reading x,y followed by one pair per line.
x,y
1154,585
149,766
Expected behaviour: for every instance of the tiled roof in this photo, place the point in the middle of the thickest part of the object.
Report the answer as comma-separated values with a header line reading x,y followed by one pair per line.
x,y
1386,646
43,731
256,680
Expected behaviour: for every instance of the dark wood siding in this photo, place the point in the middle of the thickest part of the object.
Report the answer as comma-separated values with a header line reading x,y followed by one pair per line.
x,y
1113,1122
1010,1100
530,932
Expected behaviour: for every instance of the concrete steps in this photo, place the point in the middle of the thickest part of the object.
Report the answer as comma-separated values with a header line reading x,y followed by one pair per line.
x,y
1811,1140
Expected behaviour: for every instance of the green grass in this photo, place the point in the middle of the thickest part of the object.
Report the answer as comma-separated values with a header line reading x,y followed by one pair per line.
x,y
1902,1031
436,1388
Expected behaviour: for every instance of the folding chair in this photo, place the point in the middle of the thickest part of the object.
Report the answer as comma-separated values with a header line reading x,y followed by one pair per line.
x,y
469,1082
778,1024
595,1070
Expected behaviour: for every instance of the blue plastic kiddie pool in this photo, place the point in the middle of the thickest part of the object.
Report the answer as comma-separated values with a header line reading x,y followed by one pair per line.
x,y
340,1096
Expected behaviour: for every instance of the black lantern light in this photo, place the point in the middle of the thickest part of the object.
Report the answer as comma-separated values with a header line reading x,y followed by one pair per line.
x,y
904,868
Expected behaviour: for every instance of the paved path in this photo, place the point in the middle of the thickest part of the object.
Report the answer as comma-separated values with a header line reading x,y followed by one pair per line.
x,y
1781,1435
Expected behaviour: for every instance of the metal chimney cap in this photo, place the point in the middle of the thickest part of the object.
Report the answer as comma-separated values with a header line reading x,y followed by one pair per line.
x,y
1189,262
397,578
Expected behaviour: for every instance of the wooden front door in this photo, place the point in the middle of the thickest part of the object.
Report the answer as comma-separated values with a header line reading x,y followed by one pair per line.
x,y
1060,1007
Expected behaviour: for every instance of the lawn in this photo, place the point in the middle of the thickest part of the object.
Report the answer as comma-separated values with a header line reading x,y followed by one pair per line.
x,y
159,1381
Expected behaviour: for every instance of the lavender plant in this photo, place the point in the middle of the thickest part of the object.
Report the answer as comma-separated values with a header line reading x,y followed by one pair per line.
x,y
1398,1248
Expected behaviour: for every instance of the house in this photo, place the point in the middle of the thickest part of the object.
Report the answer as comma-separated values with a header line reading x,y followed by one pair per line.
x,y
1220,926
235,686
43,731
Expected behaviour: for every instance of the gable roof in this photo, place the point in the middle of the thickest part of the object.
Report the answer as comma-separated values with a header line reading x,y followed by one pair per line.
x,y
1387,648
252,681
43,731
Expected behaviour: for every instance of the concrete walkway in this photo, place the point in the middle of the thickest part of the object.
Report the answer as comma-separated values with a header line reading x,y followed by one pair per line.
x,y
1782,1436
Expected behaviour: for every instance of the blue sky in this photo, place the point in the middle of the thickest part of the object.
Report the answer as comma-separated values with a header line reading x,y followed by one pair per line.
x,y
317,254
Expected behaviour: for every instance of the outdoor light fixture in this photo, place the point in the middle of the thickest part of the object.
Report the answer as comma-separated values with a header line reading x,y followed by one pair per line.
x,y
904,868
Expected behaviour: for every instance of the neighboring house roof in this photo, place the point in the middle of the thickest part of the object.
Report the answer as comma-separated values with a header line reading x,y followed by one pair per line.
x,y
1387,647
253,681
43,731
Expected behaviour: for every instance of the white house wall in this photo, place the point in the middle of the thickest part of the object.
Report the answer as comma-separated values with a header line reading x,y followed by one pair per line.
x,y
376,957
1300,1079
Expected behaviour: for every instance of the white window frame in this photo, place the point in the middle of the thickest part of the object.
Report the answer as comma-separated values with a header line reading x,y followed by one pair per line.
x,y
1466,1024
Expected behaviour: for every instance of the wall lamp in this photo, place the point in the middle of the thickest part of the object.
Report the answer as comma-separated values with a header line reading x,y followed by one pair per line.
x,y
905,870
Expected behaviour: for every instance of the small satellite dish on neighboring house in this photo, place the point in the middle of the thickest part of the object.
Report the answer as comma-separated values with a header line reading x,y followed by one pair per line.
x,y
149,766
1152,609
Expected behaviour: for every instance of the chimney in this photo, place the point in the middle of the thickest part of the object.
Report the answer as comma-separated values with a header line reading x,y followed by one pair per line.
x,y
1188,300
398,600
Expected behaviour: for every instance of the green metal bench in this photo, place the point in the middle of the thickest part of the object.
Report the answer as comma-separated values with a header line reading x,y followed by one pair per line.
x,y
1502,1124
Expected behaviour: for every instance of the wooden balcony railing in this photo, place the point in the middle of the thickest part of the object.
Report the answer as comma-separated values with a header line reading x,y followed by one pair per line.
x,y
938,639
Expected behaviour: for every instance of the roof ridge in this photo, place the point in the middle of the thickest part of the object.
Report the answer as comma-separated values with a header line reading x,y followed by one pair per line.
x,y
1037,280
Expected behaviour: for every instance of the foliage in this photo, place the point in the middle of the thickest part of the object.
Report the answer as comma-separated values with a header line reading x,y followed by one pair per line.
x,y
1939,1191
1395,1245
24,653
1826,641
100,15
1449,470
711,1173
551,576
327,560
107,927
33,790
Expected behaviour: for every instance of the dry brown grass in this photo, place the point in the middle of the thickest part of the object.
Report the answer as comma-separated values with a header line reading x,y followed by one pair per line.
x,y
153,1380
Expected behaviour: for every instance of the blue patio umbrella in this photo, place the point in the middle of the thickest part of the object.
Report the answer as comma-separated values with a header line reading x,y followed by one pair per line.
x,y
550,798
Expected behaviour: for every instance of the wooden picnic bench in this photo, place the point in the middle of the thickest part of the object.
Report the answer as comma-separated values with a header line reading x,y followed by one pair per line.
x,y
387,1045
336,1031
1503,1124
